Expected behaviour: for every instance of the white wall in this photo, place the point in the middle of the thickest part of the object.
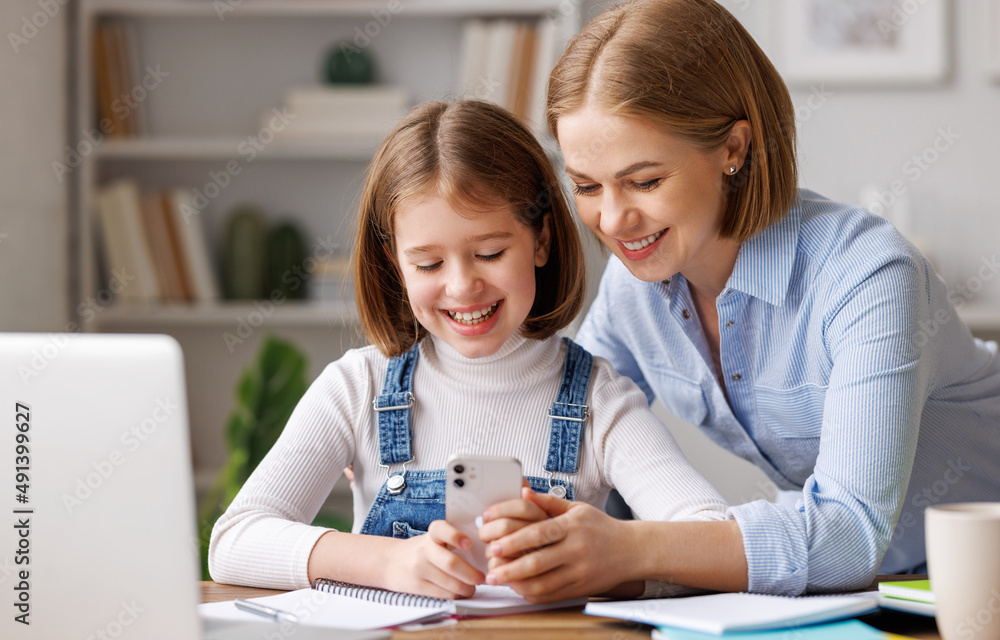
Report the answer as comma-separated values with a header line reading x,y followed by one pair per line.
x,y
33,204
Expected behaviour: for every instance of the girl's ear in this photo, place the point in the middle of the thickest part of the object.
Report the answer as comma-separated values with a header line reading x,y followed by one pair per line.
x,y
544,241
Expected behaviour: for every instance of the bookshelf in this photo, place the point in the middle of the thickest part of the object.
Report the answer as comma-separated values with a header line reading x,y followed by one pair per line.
x,y
222,64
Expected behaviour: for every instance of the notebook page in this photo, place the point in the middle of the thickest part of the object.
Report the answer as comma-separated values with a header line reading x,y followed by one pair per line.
x,y
320,609
727,612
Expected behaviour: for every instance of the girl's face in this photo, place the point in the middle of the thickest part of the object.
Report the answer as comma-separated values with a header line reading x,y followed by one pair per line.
x,y
470,276
654,199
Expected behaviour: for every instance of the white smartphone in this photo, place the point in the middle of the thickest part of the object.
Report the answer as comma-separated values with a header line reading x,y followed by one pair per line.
x,y
474,483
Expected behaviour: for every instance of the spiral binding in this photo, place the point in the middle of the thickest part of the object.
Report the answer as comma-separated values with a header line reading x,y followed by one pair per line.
x,y
376,594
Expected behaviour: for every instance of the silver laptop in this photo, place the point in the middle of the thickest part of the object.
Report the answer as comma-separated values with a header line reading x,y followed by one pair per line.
x,y
99,539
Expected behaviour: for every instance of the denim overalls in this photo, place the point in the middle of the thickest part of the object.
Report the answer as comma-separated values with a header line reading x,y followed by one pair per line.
x,y
408,501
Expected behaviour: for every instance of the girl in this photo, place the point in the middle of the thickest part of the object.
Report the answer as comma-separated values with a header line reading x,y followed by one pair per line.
x,y
467,262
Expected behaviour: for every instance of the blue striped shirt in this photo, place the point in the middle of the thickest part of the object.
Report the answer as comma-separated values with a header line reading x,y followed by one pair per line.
x,y
839,347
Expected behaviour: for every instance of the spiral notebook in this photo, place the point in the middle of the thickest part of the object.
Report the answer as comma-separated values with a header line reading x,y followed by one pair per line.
x,y
334,604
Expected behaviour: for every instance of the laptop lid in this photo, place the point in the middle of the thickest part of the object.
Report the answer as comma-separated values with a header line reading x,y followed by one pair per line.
x,y
99,537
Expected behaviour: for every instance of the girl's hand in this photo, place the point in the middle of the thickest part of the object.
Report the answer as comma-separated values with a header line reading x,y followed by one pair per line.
x,y
425,564
506,517
579,551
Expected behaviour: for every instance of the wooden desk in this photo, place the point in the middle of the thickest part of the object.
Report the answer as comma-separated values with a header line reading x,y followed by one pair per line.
x,y
572,623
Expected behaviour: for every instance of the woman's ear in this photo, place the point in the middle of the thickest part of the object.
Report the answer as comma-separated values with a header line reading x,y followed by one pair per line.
x,y
737,145
544,241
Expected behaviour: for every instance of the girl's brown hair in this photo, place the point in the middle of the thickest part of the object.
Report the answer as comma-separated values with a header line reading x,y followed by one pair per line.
x,y
691,67
477,156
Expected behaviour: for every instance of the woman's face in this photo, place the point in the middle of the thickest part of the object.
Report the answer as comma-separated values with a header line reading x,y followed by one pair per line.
x,y
654,199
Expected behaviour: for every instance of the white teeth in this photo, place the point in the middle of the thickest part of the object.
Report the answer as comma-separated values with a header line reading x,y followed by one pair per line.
x,y
475,317
645,242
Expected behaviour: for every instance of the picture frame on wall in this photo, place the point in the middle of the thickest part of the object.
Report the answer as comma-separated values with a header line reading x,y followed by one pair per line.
x,y
861,42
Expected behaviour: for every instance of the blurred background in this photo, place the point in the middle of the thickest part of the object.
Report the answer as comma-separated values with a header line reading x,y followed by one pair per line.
x,y
216,148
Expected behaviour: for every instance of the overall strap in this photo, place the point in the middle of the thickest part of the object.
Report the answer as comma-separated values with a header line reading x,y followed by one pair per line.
x,y
394,407
569,412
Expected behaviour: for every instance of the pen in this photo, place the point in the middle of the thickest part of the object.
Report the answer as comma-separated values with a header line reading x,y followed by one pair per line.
x,y
268,612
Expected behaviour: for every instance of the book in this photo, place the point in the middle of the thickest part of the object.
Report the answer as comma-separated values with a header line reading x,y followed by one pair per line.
x,y
195,258
345,606
928,609
126,249
919,590
165,264
737,612
853,629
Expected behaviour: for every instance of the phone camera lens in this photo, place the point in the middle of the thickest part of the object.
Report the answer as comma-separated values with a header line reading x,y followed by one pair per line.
x,y
459,469
459,483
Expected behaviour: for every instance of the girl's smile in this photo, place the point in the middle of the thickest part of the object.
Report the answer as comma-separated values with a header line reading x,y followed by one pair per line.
x,y
469,275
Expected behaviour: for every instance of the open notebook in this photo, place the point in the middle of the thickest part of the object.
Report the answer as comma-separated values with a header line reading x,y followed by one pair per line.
x,y
346,606
732,612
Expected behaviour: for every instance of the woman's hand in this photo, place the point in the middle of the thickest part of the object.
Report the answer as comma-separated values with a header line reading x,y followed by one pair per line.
x,y
579,550
506,517
426,565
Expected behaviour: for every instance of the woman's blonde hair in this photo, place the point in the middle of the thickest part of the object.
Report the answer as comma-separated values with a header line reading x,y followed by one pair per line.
x,y
478,157
690,67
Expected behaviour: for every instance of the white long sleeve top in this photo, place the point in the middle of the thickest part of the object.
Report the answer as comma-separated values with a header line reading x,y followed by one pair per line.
x,y
497,405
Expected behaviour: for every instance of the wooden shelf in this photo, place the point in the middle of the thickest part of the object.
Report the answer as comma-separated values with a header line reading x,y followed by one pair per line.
x,y
225,9
290,314
168,148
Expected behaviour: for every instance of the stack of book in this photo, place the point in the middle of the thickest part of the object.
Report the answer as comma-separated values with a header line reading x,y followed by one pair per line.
x,y
508,62
154,244
912,596
120,90
364,114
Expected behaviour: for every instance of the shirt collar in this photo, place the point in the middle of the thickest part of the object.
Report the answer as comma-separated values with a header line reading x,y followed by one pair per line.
x,y
764,264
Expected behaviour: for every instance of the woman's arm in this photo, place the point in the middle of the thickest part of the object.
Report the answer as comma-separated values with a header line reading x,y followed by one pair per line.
x,y
583,551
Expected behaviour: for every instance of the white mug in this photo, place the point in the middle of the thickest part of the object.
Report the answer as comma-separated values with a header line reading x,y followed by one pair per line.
x,y
963,562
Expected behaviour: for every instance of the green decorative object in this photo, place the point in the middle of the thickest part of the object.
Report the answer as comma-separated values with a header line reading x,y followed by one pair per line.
x,y
266,392
243,255
286,262
348,64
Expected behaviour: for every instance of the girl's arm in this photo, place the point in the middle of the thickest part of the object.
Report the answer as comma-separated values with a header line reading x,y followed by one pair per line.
x,y
423,564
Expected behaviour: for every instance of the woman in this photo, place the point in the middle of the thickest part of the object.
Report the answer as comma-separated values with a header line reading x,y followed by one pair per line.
x,y
803,335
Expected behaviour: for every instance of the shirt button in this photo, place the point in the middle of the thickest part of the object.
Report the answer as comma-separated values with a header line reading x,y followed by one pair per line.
x,y
667,282
729,292
729,323
685,314
737,377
